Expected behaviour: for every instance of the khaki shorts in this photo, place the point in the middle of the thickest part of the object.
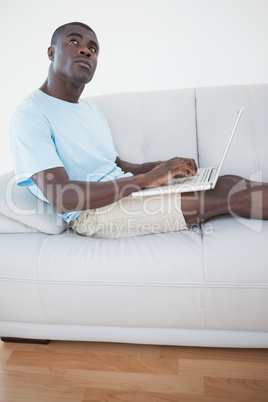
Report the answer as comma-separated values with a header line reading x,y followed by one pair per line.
x,y
132,217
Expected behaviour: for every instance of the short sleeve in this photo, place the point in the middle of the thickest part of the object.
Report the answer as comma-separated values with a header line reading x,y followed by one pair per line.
x,y
32,145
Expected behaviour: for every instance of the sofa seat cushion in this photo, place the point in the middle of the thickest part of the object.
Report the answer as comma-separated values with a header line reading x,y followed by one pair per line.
x,y
235,259
148,281
174,280
238,248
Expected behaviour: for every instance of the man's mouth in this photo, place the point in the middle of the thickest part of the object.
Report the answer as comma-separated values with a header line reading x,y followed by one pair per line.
x,y
84,63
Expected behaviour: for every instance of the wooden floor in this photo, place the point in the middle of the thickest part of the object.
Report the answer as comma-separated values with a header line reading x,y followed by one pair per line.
x,y
83,371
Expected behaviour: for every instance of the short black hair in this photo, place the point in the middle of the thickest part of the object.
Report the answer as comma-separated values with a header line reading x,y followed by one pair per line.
x,y
60,29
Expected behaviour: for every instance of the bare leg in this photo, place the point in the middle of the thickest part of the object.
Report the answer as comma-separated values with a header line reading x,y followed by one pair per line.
x,y
232,195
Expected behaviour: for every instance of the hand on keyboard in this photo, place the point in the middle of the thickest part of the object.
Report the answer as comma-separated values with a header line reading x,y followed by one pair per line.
x,y
168,169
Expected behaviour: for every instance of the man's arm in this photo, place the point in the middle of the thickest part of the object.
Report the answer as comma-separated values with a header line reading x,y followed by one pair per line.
x,y
136,168
67,195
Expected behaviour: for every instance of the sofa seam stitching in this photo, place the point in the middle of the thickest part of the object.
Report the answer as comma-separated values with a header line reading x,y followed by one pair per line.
x,y
204,279
38,281
144,142
252,132
243,285
196,128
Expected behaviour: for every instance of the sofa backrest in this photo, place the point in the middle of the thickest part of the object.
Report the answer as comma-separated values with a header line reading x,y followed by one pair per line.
x,y
216,110
158,125
148,126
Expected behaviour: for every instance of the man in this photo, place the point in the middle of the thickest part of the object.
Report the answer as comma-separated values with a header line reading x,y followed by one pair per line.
x,y
64,152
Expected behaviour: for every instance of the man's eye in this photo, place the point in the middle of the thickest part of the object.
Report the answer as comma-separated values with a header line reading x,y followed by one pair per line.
x,y
92,49
73,41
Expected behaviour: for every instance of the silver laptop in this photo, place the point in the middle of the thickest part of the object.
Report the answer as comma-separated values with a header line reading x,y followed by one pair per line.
x,y
204,179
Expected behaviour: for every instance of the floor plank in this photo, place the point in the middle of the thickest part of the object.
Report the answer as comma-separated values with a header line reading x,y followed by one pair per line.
x,y
116,395
131,364
236,369
244,389
84,371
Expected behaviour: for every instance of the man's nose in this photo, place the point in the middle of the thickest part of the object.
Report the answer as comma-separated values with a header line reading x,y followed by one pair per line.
x,y
85,52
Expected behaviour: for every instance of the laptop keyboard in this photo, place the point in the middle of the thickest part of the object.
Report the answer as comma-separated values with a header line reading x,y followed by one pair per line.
x,y
202,175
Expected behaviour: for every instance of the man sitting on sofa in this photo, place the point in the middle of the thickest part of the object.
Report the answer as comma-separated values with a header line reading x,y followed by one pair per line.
x,y
63,151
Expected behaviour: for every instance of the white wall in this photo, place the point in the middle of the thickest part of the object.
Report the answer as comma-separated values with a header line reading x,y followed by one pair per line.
x,y
145,45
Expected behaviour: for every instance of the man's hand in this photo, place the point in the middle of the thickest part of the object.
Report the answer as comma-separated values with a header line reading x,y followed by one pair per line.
x,y
170,168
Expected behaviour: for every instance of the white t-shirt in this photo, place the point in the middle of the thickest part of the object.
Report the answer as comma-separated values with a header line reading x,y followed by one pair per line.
x,y
47,132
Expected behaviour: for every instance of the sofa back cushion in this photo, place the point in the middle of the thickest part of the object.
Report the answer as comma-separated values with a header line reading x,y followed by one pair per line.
x,y
216,109
21,211
149,126
158,125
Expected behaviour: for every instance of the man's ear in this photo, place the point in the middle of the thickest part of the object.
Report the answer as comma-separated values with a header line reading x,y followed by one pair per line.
x,y
50,52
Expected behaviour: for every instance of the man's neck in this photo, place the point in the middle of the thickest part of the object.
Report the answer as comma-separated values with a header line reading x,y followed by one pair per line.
x,y
60,90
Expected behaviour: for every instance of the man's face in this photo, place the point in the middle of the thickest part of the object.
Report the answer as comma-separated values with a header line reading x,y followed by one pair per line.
x,y
74,57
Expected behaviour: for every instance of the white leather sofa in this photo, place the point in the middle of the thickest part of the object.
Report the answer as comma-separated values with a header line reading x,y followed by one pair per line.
x,y
203,287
